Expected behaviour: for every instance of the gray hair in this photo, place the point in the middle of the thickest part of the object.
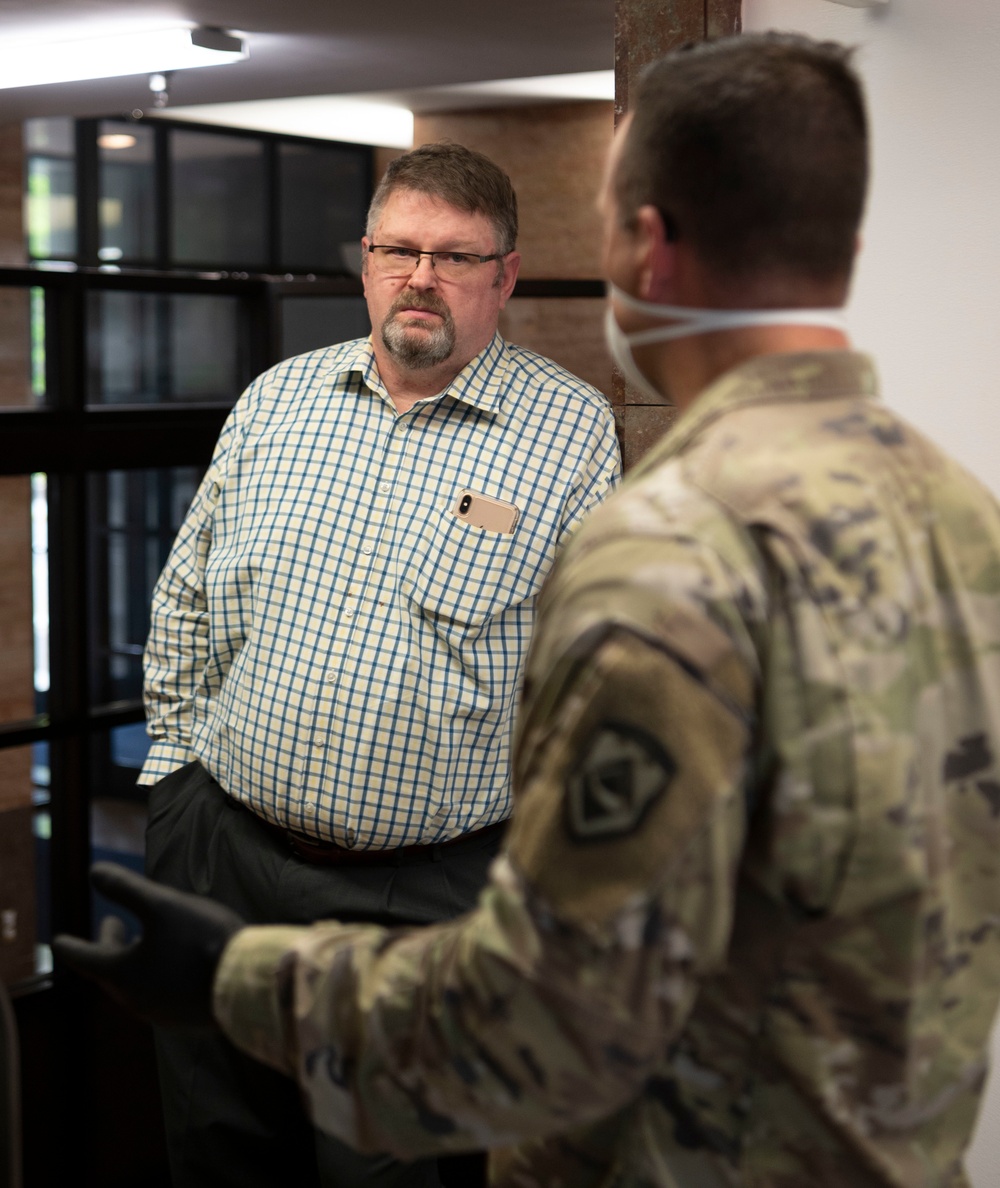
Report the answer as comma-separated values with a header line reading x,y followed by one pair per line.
x,y
460,176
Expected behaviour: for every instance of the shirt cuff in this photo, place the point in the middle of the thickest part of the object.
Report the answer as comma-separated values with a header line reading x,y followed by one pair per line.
x,y
162,759
246,998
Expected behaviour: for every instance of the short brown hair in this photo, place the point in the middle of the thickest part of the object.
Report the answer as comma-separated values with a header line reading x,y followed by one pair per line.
x,y
460,176
755,149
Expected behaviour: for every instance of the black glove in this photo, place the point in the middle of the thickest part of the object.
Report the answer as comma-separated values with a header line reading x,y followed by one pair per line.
x,y
166,975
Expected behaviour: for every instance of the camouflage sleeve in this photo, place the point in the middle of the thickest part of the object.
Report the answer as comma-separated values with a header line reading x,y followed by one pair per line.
x,y
550,1004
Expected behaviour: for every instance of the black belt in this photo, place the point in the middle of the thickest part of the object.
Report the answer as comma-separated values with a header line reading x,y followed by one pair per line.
x,y
329,853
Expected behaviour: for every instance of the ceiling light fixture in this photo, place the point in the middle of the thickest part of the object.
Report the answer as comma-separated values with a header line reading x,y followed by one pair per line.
x,y
116,140
27,64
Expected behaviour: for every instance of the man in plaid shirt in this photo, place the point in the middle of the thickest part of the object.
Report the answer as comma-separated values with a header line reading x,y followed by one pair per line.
x,y
337,641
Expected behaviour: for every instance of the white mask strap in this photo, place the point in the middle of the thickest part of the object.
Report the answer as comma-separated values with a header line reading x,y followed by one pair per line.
x,y
690,320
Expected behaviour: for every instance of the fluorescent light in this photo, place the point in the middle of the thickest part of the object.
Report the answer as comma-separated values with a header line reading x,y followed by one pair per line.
x,y
587,84
116,140
26,64
328,117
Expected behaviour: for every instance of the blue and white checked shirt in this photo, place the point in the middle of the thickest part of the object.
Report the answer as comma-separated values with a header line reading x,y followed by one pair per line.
x,y
340,651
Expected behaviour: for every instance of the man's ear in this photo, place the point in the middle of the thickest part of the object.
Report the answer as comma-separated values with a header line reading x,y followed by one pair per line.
x,y
657,256
510,265
365,241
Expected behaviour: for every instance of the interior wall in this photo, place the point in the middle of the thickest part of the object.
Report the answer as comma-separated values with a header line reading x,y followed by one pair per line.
x,y
12,248
927,292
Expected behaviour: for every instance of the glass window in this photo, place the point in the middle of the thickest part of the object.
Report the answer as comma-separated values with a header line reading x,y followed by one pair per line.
x,y
118,834
51,188
217,188
127,200
118,812
56,136
22,347
134,517
40,593
151,348
324,198
310,322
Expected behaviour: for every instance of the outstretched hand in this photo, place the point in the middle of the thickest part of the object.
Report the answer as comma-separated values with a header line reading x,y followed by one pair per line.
x,y
166,975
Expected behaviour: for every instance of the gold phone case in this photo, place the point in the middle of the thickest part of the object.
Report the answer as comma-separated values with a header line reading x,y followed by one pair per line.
x,y
482,511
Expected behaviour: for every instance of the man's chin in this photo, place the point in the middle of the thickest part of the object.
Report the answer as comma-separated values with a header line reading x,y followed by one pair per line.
x,y
417,351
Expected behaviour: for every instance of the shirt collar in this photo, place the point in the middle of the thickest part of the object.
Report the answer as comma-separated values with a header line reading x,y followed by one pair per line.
x,y
481,382
358,356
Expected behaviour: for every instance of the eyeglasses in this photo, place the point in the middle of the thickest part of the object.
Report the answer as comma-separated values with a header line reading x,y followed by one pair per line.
x,y
390,260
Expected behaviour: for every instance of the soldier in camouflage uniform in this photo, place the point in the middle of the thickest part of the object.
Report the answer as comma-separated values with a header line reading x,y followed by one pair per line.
x,y
744,929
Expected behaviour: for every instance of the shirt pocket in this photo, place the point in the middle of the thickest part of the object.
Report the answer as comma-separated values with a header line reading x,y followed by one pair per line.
x,y
459,574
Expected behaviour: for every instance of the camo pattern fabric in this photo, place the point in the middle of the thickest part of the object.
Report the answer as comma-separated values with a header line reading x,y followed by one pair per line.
x,y
744,929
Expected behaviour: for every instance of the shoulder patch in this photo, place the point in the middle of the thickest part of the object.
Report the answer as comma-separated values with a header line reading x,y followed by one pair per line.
x,y
621,775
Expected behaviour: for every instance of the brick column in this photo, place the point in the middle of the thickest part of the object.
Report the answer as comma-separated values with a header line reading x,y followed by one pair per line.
x,y
17,885
554,154
644,31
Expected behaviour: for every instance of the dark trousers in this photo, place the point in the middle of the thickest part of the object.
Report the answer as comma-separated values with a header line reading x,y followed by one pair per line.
x,y
229,1119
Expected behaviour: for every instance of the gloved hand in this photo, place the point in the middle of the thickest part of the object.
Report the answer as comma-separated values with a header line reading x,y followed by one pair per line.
x,y
166,975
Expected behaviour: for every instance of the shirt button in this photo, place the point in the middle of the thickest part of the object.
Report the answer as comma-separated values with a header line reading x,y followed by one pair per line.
x,y
349,614
320,744
366,549
330,675
385,488
350,837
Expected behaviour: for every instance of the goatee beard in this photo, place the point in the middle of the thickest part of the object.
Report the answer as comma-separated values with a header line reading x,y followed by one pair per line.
x,y
418,349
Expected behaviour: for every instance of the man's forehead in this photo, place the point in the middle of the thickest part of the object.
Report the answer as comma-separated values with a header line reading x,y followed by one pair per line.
x,y
407,204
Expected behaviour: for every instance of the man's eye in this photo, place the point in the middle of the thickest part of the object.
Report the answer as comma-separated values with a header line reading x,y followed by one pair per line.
x,y
401,253
456,258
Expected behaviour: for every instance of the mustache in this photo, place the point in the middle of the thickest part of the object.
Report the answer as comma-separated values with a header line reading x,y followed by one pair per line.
x,y
411,299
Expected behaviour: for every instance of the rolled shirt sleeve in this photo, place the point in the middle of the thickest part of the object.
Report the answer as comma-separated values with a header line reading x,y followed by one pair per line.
x,y
178,649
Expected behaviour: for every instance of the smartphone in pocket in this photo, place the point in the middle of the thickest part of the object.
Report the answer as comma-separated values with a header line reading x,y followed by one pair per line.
x,y
483,511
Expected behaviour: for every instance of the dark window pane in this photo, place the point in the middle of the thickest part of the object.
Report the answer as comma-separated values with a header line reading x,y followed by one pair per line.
x,y
310,322
50,151
117,833
53,136
117,812
148,348
127,204
217,189
134,517
40,593
324,197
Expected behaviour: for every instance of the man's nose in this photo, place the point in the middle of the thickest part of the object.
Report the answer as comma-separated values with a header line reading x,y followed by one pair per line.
x,y
424,276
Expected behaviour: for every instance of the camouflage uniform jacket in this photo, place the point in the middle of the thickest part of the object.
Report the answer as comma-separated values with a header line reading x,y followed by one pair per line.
x,y
744,929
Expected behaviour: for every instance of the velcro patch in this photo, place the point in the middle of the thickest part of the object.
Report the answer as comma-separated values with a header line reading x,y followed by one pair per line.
x,y
622,774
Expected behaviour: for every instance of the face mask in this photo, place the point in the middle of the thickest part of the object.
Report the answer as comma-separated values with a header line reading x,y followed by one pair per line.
x,y
690,321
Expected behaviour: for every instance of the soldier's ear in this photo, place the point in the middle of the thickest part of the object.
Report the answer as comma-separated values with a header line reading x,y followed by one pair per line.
x,y
657,255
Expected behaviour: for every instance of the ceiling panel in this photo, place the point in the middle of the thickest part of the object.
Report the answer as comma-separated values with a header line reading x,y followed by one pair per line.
x,y
322,47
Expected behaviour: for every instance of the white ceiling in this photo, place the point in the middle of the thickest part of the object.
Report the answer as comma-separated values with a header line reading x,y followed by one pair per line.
x,y
407,50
